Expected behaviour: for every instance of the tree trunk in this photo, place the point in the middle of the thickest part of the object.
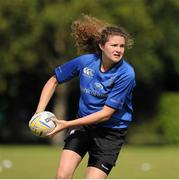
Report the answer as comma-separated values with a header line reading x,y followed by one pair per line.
x,y
60,110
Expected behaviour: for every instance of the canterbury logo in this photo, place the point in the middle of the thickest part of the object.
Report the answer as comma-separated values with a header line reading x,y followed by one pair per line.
x,y
88,72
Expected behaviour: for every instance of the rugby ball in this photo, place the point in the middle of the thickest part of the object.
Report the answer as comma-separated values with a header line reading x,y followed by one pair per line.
x,y
41,124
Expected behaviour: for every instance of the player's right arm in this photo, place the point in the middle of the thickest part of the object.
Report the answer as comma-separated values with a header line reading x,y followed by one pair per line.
x,y
46,94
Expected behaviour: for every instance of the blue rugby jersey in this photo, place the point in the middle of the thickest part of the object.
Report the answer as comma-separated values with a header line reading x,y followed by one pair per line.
x,y
112,88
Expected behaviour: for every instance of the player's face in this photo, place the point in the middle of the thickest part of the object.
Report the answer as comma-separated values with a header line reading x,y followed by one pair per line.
x,y
113,49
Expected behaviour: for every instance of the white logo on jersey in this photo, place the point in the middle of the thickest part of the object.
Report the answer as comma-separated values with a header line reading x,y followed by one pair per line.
x,y
88,72
98,86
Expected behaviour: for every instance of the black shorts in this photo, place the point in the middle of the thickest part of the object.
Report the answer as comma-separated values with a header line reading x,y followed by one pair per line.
x,y
102,144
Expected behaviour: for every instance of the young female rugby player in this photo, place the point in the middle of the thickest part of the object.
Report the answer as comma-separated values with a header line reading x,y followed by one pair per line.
x,y
105,104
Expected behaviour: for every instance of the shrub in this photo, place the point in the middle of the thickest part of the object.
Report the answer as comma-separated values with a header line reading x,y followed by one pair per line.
x,y
168,117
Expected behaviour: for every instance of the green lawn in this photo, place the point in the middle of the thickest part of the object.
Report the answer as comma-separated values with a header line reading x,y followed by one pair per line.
x,y
36,162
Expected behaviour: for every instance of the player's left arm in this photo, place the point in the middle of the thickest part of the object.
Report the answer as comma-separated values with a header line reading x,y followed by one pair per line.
x,y
100,116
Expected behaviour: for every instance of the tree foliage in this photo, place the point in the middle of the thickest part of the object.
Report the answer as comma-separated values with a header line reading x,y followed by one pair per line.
x,y
35,37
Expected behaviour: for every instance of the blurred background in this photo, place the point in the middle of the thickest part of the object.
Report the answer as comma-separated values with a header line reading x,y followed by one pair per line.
x,y
35,38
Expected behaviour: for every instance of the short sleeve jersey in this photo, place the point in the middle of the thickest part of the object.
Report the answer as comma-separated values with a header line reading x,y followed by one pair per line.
x,y
112,88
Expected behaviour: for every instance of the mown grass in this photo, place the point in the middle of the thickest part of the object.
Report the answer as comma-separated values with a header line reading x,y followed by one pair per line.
x,y
134,162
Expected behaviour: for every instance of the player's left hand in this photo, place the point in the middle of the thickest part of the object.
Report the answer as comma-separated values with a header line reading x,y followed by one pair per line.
x,y
60,126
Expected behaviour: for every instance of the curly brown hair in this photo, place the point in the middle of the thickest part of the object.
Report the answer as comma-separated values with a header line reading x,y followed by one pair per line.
x,y
89,32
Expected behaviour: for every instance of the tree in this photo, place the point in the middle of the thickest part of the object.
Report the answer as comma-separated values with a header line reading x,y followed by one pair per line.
x,y
163,14
35,38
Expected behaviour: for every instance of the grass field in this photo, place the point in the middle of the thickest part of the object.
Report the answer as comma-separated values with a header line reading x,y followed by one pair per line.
x,y
135,162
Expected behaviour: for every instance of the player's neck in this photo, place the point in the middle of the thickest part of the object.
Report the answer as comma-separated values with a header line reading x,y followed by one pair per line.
x,y
106,64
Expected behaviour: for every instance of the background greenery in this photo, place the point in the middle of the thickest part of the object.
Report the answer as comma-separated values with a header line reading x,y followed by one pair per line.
x,y
35,38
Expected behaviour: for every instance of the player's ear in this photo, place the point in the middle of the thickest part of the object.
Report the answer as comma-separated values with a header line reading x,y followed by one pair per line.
x,y
101,46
